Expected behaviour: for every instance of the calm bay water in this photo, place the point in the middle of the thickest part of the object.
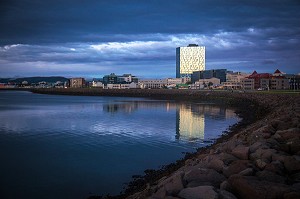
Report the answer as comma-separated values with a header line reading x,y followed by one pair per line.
x,y
76,146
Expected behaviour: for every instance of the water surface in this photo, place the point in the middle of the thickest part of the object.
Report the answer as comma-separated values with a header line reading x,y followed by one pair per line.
x,y
75,146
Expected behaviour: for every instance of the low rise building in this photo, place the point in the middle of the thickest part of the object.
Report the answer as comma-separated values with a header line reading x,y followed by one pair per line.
x,y
153,83
131,85
119,79
234,80
97,84
186,80
274,84
266,81
207,74
206,83
247,84
78,82
110,79
176,81
127,78
294,81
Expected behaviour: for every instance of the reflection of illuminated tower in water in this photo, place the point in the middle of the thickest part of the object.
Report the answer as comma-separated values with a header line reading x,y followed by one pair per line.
x,y
188,125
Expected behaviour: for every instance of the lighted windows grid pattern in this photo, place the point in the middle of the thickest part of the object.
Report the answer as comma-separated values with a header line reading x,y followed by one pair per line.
x,y
189,59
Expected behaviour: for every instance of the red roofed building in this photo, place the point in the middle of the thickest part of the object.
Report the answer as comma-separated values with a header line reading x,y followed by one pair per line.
x,y
277,73
257,77
275,81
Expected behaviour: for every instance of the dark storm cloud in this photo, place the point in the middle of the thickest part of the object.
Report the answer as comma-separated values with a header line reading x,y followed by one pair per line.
x,y
76,36
73,21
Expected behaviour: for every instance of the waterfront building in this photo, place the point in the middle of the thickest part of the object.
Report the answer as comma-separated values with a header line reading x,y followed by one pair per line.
x,y
122,86
247,84
274,84
186,80
257,77
127,78
172,81
153,83
206,83
207,74
119,79
294,81
77,82
110,79
266,81
234,80
189,59
97,84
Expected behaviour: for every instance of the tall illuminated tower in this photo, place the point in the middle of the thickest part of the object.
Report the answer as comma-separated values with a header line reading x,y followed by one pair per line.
x,y
189,59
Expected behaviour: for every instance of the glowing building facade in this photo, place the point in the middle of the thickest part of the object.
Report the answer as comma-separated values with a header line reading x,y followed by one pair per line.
x,y
189,59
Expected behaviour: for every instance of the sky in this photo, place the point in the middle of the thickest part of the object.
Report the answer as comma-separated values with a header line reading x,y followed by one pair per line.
x,y
92,38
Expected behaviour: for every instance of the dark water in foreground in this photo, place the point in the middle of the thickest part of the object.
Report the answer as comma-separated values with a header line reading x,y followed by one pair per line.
x,y
71,147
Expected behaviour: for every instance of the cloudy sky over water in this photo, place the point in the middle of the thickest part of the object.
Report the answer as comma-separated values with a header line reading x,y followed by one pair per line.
x,y
97,37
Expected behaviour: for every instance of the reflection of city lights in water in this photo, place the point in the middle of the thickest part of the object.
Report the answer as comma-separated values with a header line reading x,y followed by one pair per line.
x,y
189,126
191,120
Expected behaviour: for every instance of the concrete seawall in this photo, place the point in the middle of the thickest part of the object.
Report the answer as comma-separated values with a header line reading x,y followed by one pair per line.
x,y
261,159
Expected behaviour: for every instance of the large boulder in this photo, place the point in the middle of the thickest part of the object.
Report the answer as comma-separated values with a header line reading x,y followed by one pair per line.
x,y
279,124
227,158
241,152
230,145
270,176
173,184
275,167
291,164
288,134
295,178
201,192
236,167
261,164
247,187
264,154
258,145
223,194
213,162
160,194
202,176
293,145
292,195
247,172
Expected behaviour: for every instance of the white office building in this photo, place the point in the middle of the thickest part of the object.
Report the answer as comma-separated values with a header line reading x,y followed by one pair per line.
x,y
152,83
189,59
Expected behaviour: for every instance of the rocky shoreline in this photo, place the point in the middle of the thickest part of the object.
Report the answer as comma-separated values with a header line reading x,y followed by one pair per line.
x,y
259,160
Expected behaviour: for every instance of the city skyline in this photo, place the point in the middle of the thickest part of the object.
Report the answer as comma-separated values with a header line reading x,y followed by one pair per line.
x,y
72,38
